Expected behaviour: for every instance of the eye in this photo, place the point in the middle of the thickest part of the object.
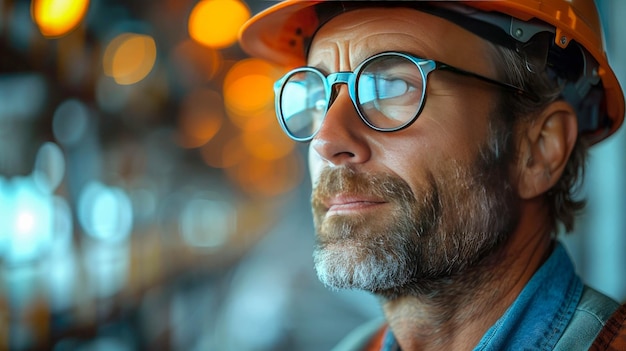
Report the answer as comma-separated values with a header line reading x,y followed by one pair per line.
x,y
390,91
379,87
391,88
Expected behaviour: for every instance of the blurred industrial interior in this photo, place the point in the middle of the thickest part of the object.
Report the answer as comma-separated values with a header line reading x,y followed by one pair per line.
x,y
149,200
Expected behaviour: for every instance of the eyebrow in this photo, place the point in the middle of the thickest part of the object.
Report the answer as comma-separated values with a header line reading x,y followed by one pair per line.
x,y
323,67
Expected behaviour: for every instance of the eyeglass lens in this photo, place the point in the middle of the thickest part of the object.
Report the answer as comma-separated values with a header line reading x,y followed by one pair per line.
x,y
388,94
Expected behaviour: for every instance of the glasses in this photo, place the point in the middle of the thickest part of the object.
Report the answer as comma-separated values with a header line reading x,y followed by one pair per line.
x,y
388,91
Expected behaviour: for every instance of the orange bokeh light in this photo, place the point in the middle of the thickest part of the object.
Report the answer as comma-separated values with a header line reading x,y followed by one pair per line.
x,y
56,18
216,23
129,58
252,94
201,118
264,139
248,90
268,178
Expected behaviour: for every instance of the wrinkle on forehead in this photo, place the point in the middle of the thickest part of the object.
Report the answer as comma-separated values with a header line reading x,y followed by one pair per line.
x,y
348,39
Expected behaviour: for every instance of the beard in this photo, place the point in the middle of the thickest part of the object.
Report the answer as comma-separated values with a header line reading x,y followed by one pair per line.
x,y
441,233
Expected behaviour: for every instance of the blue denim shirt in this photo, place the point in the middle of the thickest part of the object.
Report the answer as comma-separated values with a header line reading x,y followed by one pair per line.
x,y
538,317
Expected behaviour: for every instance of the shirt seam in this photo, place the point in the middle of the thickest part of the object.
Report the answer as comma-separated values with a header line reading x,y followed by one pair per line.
x,y
591,313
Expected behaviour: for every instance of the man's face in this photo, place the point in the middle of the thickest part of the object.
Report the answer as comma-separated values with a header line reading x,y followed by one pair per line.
x,y
397,211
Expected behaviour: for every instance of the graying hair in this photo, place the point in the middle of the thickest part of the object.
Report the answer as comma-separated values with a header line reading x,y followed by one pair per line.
x,y
562,201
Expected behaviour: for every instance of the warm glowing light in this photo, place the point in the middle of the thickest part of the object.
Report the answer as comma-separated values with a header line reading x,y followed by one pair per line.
x,y
216,23
129,58
268,178
56,18
201,118
253,93
264,139
248,90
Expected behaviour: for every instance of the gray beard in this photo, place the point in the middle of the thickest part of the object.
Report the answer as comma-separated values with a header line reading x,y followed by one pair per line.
x,y
426,242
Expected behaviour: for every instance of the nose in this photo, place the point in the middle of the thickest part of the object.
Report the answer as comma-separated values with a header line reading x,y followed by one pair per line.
x,y
342,137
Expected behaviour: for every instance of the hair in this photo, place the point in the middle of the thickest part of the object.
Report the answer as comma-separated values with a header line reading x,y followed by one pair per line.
x,y
561,199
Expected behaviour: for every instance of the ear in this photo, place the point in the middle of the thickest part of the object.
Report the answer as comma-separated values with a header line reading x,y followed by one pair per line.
x,y
544,149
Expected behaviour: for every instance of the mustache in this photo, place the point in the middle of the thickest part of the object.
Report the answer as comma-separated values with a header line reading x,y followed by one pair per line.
x,y
346,180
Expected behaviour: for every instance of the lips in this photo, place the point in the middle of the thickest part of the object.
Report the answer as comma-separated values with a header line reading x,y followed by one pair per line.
x,y
344,204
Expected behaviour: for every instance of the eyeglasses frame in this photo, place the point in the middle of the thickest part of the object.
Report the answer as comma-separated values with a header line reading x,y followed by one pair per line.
x,y
426,66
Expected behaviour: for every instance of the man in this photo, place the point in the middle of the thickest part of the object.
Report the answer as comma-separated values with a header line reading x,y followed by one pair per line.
x,y
446,141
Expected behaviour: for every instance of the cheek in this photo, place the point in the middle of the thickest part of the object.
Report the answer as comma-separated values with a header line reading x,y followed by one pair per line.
x,y
418,158
315,165
457,115
410,160
455,133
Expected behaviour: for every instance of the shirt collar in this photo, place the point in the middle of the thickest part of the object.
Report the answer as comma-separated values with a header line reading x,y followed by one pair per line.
x,y
539,315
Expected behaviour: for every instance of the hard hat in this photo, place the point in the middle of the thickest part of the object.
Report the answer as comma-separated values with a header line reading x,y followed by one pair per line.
x,y
282,33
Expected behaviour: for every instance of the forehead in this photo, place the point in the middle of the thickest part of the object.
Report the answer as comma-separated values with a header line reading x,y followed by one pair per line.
x,y
349,38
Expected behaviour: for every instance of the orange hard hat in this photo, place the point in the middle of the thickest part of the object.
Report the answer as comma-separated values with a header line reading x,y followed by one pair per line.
x,y
282,33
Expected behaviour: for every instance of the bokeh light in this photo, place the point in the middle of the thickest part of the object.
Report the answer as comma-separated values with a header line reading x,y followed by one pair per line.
x,y
56,18
264,139
207,223
149,199
26,219
62,278
70,122
268,178
105,212
129,57
201,117
216,23
49,167
248,89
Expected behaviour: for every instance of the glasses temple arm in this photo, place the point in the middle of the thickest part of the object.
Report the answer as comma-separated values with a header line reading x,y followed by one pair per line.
x,y
510,87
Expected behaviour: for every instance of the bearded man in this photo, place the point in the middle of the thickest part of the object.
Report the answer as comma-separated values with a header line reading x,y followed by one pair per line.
x,y
446,141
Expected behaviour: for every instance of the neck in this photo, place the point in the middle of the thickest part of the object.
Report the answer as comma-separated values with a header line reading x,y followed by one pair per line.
x,y
454,314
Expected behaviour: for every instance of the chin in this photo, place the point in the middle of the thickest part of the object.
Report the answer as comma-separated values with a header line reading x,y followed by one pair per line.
x,y
354,264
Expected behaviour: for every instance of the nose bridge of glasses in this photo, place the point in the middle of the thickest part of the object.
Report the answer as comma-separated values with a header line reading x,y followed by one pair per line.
x,y
347,78
340,77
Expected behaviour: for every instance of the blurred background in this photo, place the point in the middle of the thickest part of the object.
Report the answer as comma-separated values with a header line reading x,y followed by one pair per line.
x,y
149,200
